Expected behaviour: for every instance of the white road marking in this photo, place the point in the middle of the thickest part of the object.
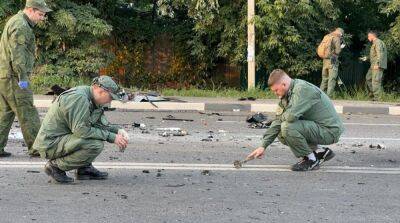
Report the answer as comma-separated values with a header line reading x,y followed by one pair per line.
x,y
214,167
371,124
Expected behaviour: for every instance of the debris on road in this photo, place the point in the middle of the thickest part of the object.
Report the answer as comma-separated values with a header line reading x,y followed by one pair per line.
x,y
166,132
172,118
174,185
378,146
247,99
258,121
146,171
141,126
32,171
56,90
357,145
206,172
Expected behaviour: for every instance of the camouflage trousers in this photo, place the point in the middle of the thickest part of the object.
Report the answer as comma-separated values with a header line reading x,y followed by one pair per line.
x,y
373,81
304,136
17,102
329,78
72,152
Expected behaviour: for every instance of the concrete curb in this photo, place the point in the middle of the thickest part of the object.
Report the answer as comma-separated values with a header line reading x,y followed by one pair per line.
x,y
218,107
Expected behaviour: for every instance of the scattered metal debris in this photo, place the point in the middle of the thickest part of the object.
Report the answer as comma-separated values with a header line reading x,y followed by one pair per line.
x,y
206,172
258,121
141,126
166,132
172,118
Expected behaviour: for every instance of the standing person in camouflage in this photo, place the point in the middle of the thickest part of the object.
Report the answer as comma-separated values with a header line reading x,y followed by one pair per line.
x,y
329,51
73,131
378,59
305,119
17,55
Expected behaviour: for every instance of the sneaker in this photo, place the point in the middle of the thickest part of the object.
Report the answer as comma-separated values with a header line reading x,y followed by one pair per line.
x,y
324,156
306,164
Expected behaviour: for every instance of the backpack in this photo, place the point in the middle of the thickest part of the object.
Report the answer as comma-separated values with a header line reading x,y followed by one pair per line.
x,y
325,47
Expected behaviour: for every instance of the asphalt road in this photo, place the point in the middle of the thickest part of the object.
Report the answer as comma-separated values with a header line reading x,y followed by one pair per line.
x,y
188,179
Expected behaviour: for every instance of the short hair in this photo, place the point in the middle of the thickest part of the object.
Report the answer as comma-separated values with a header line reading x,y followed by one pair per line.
x,y
373,32
275,76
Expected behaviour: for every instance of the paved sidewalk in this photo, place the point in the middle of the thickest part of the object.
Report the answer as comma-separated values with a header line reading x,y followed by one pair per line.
x,y
230,104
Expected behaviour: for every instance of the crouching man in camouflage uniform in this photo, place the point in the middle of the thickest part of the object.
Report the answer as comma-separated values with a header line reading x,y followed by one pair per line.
x,y
305,119
73,132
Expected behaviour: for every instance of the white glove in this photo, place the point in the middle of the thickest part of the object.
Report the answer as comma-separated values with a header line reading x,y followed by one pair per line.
x,y
364,58
123,133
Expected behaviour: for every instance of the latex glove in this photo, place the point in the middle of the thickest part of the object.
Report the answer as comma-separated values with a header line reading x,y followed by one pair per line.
x,y
124,134
23,84
364,58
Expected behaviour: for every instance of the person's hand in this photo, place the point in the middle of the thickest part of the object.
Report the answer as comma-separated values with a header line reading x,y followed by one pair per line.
x,y
124,134
364,58
23,84
376,67
121,142
257,153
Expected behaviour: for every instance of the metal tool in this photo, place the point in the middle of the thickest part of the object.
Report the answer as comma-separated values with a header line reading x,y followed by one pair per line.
x,y
238,164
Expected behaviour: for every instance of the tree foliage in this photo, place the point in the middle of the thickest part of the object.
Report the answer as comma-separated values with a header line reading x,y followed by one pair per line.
x,y
83,36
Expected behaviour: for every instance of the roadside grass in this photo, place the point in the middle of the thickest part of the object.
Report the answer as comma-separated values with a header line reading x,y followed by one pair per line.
x,y
220,93
42,84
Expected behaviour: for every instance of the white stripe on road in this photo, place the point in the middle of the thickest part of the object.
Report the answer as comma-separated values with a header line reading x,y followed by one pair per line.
x,y
370,124
214,167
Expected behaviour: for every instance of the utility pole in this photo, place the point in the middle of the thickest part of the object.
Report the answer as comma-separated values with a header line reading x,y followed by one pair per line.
x,y
251,44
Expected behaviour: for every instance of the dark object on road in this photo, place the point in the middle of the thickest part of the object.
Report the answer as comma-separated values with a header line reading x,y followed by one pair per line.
x,y
206,140
172,118
5,154
56,90
258,121
32,171
175,185
205,172
247,99
146,171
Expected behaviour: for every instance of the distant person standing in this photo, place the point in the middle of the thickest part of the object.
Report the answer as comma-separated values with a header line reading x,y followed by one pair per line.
x,y
378,60
17,56
329,50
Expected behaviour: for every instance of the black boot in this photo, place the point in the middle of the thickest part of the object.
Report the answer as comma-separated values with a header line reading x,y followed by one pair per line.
x,y
5,154
90,173
57,175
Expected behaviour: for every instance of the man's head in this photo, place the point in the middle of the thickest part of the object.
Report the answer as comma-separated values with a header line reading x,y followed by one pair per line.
x,y
279,82
104,90
372,35
339,32
36,10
